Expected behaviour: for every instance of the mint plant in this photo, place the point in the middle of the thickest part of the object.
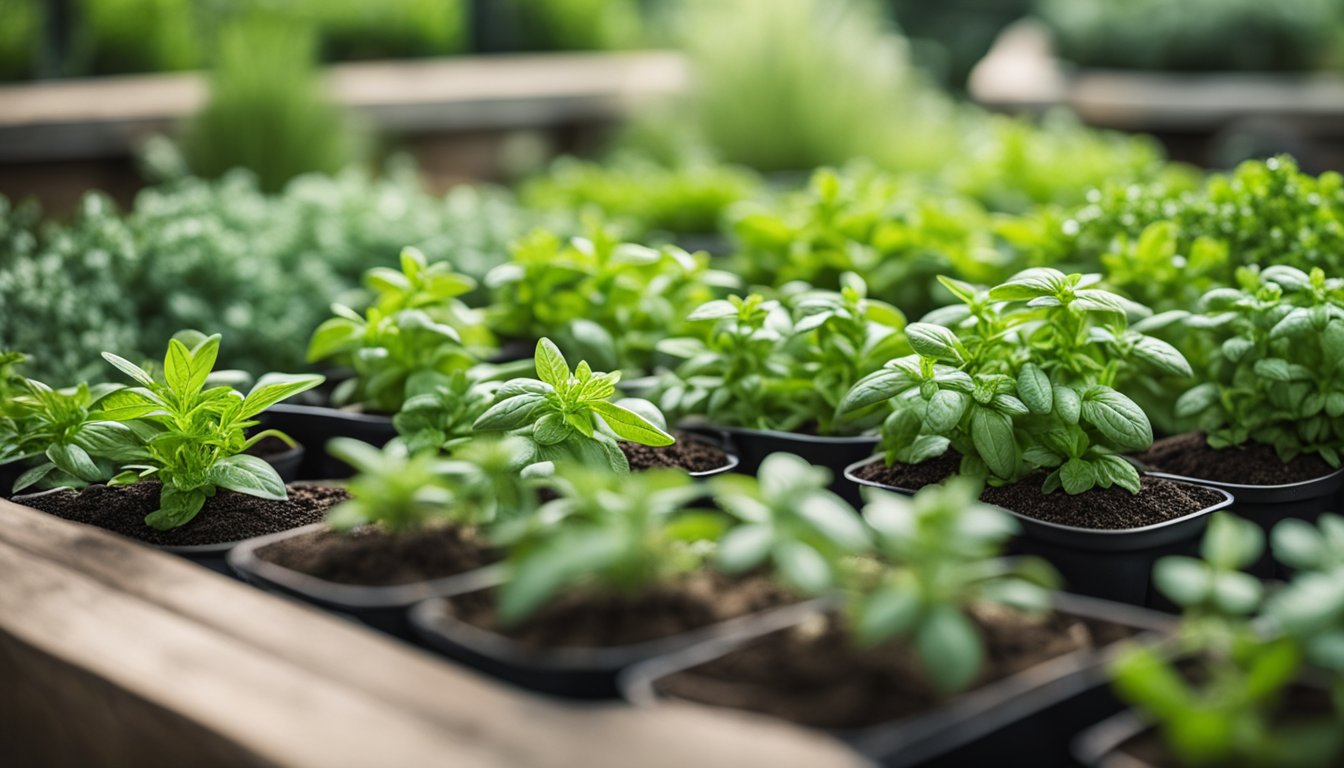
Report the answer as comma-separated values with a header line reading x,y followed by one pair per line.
x,y
442,418
1219,700
196,436
568,416
786,518
601,300
609,532
416,329
942,556
1278,375
782,364
1021,378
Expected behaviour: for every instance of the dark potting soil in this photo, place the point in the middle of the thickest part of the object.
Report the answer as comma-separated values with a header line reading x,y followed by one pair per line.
x,y
813,673
590,619
1189,455
226,517
687,453
1111,509
269,447
372,557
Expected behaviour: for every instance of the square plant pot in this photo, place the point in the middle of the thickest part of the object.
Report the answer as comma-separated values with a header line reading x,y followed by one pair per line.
x,y
1026,718
573,672
1106,564
382,607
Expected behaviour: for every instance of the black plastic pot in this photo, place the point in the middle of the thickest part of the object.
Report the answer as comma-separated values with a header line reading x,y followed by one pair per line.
x,y
581,673
1099,746
1025,719
288,462
718,442
9,474
834,453
1106,564
314,426
1267,505
383,608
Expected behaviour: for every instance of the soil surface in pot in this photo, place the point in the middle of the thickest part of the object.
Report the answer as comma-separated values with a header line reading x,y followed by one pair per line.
x,y
1110,509
813,674
227,517
587,619
1189,455
687,453
372,557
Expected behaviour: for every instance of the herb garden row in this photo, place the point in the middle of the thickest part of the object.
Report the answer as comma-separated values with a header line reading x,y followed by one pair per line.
x,y
945,477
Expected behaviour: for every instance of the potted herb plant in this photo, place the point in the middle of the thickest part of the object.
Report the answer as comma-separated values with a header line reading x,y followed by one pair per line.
x,y
183,478
938,649
1268,412
1015,386
607,574
770,373
566,415
414,336
1236,689
417,526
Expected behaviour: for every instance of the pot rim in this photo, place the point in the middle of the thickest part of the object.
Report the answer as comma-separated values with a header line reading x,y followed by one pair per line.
x,y
1227,501
1100,743
795,436
327,412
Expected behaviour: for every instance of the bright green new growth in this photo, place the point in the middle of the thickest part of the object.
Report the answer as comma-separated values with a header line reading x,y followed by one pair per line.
x,y
442,418
195,437
568,416
612,532
943,551
400,490
1277,376
414,335
1019,379
782,365
786,518
1219,700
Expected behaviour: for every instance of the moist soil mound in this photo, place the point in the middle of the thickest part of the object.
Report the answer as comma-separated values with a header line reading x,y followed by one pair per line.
x,y
372,557
815,675
590,619
1189,455
688,453
226,517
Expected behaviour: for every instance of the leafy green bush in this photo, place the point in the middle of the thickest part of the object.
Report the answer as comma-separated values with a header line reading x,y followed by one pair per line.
x,y
267,111
1020,379
1193,35
19,38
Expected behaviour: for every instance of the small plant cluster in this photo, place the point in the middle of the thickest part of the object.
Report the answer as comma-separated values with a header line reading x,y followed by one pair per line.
x,y
598,298
173,428
781,364
1020,379
1277,376
1221,698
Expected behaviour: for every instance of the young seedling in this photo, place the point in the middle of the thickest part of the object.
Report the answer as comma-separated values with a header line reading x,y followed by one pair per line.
x,y
786,518
1020,379
1219,700
441,419
782,364
569,416
197,439
1278,375
942,555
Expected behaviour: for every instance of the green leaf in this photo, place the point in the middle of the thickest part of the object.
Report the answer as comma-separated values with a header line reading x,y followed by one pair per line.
x,y
551,429
1029,284
629,425
1274,369
545,572
1196,400
333,337
1231,542
273,388
551,365
1185,580
1236,593
1068,404
802,566
176,508
1298,544
830,516
177,368
1119,472
32,476
511,413
876,387
1117,418
934,341
950,646
1162,356
713,310
945,410
1077,476
74,461
886,614
125,405
1034,389
744,548
992,436
248,474
130,369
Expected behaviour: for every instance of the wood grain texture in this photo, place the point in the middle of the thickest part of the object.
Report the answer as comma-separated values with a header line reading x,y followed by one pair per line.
x,y
115,654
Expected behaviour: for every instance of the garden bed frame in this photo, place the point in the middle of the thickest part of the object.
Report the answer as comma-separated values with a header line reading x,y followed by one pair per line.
x,y
112,653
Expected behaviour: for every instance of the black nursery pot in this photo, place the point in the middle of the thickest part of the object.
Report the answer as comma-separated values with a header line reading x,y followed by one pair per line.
x,y
1025,719
384,608
834,453
1267,505
314,426
1108,564
579,673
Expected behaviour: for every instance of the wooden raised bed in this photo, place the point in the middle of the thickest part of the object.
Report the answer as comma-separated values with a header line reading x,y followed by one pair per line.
x,y
114,654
